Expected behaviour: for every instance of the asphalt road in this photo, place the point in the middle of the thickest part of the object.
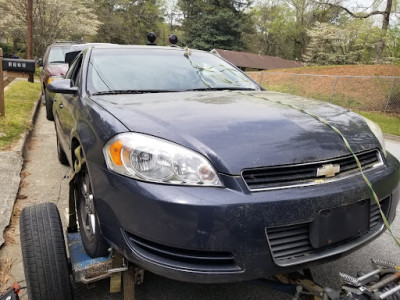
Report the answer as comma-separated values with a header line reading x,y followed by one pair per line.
x,y
45,181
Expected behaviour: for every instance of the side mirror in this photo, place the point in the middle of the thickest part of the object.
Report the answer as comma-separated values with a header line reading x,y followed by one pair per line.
x,y
40,62
62,86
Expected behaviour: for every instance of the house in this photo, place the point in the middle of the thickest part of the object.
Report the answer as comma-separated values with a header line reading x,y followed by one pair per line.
x,y
250,61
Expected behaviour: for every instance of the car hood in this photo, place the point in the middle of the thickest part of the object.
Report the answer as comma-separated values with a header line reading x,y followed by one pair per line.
x,y
238,130
57,69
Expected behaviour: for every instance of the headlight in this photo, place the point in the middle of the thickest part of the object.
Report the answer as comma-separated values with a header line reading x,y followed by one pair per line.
x,y
53,78
378,133
153,159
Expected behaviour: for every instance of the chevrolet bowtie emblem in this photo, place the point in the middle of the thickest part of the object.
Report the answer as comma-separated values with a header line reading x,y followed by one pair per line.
x,y
328,170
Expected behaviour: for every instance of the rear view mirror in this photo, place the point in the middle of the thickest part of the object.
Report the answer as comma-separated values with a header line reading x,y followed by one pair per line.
x,y
62,86
40,62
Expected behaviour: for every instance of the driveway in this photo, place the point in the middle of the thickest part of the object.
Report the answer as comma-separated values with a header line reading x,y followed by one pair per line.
x,y
44,179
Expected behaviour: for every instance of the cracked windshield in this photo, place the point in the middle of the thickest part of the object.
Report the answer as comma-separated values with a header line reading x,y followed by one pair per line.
x,y
145,71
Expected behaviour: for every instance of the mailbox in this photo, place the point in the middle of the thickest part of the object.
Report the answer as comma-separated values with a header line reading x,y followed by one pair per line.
x,y
19,65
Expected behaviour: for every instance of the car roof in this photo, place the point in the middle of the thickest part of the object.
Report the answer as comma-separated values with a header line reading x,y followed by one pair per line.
x,y
76,49
80,47
73,52
66,43
140,47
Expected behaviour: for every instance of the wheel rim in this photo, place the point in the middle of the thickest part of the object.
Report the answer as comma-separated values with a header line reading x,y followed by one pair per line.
x,y
87,207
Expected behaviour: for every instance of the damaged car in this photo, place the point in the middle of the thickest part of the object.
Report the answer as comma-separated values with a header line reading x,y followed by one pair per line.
x,y
194,172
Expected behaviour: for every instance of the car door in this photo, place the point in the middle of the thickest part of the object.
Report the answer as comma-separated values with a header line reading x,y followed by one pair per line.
x,y
65,105
42,73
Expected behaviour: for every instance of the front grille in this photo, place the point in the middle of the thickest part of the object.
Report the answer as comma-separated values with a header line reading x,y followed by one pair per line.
x,y
291,244
207,261
306,174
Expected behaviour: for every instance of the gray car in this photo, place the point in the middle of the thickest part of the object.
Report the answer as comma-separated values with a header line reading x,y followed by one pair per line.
x,y
192,171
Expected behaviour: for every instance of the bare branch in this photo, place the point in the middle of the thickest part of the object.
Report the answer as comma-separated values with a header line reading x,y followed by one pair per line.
x,y
358,16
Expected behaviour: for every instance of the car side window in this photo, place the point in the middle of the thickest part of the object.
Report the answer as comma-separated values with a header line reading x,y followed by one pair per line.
x,y
74,71
78,74
75,78
71,69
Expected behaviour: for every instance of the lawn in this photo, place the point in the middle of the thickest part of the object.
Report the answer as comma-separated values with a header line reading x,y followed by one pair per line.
x,y
388,123
20,99
369,96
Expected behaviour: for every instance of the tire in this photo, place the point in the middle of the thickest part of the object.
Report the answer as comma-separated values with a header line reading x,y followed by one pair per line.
x,y
62,157
44,254
89,225
49,107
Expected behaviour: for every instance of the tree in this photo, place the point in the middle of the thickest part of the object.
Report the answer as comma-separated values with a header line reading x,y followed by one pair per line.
x,y
274,25
209,24
392,45
282,25
172,14
14,33
346,44
128,22
380,45
52,20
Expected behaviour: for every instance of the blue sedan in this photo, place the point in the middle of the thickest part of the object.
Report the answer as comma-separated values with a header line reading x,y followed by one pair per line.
x,y
192,171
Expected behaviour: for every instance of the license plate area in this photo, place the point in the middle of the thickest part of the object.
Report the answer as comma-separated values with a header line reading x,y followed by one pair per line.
x,y
340,223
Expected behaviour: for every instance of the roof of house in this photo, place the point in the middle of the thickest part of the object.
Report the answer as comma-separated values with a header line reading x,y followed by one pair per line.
x,y
256,61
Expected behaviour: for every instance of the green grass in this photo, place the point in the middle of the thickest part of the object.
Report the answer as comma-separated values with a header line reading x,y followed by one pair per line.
x,y
20,98
389,123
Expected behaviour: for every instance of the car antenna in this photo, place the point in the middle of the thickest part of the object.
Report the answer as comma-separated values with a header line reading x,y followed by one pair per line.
x,y
151,37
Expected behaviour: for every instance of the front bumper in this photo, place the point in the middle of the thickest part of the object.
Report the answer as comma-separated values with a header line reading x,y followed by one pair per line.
x,y
206,234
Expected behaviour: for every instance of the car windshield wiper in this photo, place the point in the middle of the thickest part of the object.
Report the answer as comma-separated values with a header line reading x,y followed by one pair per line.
x,y
119,92
222,89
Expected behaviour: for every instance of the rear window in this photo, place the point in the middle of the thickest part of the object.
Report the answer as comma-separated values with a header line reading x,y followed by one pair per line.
x,y
57,54
162,70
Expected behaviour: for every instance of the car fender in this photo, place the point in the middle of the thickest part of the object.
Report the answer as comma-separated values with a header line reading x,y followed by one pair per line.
x,y
94,126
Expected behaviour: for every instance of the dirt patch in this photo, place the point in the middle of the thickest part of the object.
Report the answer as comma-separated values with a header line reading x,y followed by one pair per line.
x,y
23,184
5,266
375,92
24,174
351,70
33,144
10,232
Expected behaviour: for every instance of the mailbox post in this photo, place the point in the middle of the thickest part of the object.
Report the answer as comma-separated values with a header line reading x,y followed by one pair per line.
x,y
24,68
2,106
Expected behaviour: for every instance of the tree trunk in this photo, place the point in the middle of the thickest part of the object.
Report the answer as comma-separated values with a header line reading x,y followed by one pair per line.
x,y
29,23
385,25
379,50
15,44
29,10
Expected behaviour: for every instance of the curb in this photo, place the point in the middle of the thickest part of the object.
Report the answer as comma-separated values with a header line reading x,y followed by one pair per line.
x,y
20,148
391,137
12,172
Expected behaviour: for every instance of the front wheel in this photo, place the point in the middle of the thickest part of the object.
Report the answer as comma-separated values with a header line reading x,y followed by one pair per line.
x,y
89,226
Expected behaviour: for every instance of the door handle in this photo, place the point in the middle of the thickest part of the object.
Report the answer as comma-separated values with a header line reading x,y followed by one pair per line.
x,y
61,105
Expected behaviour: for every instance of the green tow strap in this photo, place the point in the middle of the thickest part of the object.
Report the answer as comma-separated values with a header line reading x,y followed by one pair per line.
x,y
322,120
